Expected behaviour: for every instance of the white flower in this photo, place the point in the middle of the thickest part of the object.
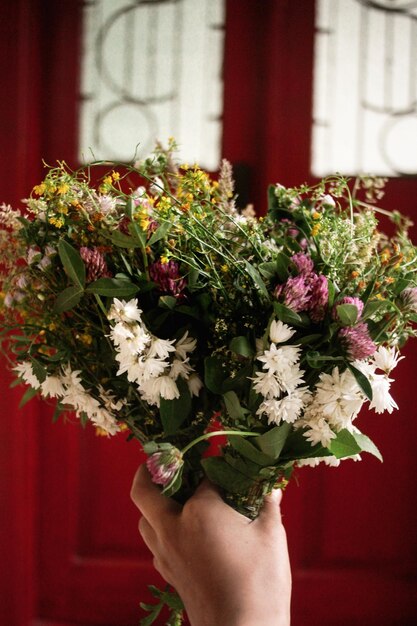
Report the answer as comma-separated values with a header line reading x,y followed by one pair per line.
x,y
338,398
381,398
276,360
71,378
280,332
319,432
180,368
105,420
286,409
161,348
25,372
44,263
266,384
125,311
291,378
195,384
185,345
33,254
154,389
150,368
157,186
109,400
386,359
52,387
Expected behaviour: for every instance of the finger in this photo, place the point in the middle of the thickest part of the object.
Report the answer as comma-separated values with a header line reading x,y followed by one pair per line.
x,y
148,535
271,510
148,498
151,541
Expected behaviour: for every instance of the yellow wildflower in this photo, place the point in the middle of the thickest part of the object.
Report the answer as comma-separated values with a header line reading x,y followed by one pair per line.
x,y
315,230
100,432
115,175
39,190
164,259
63,188
316,215
164,204
56,221
224,268
85,338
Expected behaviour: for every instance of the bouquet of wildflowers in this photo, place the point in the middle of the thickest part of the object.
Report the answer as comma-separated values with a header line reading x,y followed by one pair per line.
x,y
144,301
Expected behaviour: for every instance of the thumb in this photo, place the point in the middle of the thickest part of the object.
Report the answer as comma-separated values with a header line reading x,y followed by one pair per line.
x,y
271,511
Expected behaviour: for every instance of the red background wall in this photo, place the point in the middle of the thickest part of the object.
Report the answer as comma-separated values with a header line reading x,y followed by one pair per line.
x,y
70,551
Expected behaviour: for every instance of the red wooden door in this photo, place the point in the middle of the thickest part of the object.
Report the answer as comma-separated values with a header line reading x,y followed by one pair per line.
x,y
69,532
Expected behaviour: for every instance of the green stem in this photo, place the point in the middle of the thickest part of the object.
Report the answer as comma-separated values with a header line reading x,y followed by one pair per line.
x,y
217,432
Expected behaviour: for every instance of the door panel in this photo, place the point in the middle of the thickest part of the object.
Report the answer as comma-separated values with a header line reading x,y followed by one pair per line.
x,y
69,531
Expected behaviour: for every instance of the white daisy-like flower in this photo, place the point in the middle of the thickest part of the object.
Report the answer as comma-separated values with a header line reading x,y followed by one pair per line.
x,y
105,420
109,400
381,398
266,384
280,332
386,359
52,387
180,368
185,345
195,384
122,311
154,389
286,409
149,368
276,360
291,378
319,432
161,348
71,378
25,372
338,397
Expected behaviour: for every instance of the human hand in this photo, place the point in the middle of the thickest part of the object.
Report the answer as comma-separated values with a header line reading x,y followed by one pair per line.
x,y
226,568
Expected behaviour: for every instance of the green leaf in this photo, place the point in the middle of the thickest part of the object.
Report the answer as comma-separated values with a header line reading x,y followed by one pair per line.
x,y
233,407
28,395
72,262
160,233
239,380
282,264
332,292
38,369
57,412
297,447
167,302
121,240
367,445
113,287
224,475
309,339
272,442
347,314
373,306
174,412
257,278
248,450
68,299
268,269
287,315
344,445
362,381
213,374
138,234
241,345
